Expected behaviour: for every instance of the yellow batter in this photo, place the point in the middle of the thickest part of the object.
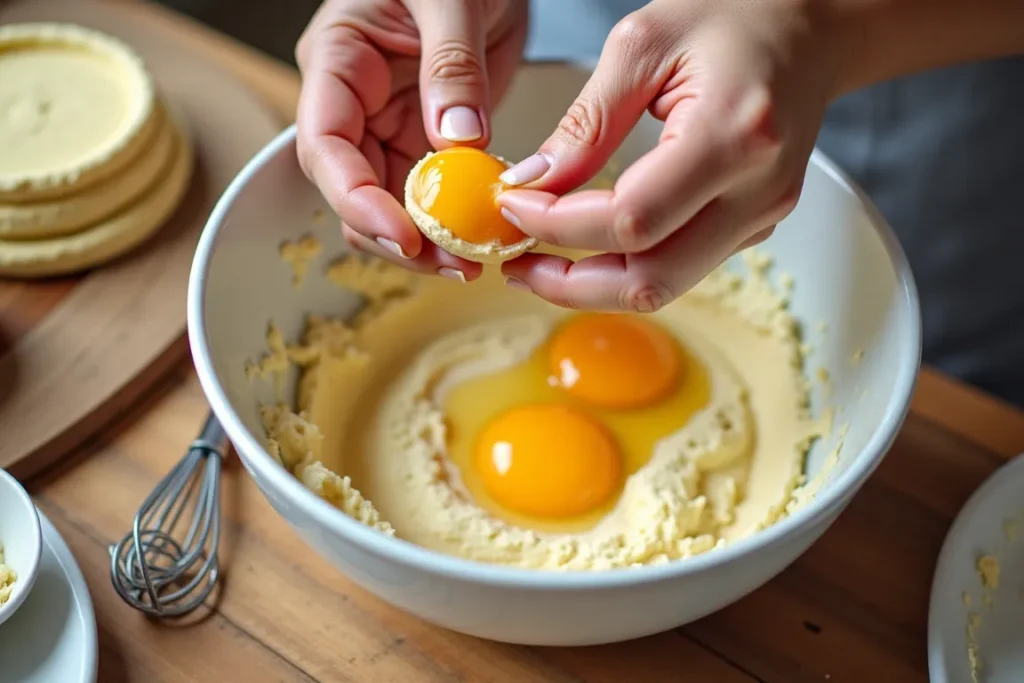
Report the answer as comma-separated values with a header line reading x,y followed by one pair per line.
x,y
7,578
368,430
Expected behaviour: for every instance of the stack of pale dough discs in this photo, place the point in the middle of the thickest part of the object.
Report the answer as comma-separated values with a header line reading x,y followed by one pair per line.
x,y
92,160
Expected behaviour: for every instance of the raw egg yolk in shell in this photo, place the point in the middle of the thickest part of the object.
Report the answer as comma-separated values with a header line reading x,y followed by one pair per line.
x,y
548,460
614,361
457,187
548,443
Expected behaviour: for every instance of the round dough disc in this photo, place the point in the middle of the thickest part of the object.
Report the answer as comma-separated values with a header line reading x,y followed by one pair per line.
x,y
114,236
78,107
80,210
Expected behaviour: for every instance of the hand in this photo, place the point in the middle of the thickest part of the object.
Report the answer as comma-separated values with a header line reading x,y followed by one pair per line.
x,y
742,88
383,81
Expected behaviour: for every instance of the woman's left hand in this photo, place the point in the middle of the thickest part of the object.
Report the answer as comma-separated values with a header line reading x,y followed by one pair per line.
x,y
742,88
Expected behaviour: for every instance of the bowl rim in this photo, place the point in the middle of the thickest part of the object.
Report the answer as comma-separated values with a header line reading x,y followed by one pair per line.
x,y
26,575
827,503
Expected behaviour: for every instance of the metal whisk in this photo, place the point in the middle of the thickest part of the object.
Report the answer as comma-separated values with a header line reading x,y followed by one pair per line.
x,y
154,569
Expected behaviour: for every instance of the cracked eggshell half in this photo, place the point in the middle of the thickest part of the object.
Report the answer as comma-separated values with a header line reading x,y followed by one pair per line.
x,y
492,252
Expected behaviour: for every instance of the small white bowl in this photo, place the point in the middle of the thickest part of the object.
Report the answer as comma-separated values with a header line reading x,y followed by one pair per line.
x,y
849,271
22,540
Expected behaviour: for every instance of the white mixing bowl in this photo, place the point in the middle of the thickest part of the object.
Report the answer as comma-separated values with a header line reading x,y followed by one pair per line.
x,y
849,271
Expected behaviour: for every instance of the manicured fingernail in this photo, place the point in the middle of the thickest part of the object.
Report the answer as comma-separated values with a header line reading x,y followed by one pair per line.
x,y
392,246
461,124
516,283
451,273
510,217
527,170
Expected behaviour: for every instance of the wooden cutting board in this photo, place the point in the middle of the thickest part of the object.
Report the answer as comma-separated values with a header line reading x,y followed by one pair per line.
x,y
74,352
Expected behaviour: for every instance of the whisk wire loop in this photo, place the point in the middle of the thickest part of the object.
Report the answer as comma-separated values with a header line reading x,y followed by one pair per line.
x,y
151,568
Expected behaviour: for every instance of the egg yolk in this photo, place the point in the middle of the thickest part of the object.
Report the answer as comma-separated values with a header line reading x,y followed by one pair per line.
x,y
614,361
457,187
548,461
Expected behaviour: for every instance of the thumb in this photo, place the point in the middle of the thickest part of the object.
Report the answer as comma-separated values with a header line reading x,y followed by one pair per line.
x,y
629,75
453,71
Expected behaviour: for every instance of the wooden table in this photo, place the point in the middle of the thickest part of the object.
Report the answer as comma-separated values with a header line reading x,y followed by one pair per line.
x,y
853,609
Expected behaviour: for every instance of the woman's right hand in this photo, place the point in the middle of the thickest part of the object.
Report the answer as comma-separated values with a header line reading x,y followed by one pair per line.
x,y
383,83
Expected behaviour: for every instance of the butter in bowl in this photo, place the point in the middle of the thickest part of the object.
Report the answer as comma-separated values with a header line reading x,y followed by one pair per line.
x,y
20,545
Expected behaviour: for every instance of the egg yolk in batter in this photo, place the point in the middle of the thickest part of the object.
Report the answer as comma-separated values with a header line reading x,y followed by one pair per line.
x,y
457,187
614,361
548,460
542,454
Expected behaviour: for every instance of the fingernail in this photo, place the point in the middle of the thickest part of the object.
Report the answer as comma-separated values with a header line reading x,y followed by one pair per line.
x,y
451,273
516,283
510,217
461,124
526,171
392,246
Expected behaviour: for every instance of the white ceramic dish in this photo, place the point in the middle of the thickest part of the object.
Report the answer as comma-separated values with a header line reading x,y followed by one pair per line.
x,y
53,637
849,271
21,539
979,530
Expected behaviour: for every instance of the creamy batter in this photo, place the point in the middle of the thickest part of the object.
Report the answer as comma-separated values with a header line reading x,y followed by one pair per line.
x,y
7,578
988,569
367,431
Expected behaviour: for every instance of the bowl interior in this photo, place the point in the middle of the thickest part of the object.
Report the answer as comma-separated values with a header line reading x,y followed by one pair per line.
x,y
852,289
21,538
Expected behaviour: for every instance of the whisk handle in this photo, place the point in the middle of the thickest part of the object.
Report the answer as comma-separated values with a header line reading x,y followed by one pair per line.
x,y
212,436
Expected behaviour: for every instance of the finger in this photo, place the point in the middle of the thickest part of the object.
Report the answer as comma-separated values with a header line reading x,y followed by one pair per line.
x,y
410,139
398,167
641,282
776,212
389,122
703,152
350,186
344,54
373,152
405,74
336,96
453,71
430,260
630,72
506,42
663,190
755,239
